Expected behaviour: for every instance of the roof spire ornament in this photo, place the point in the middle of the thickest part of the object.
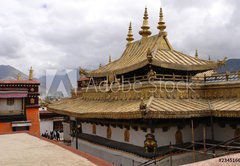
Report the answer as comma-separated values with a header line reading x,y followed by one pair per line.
x,y
196,54
161,24
19,76
30,77
209,57
100,65
145,32
130,34
110,59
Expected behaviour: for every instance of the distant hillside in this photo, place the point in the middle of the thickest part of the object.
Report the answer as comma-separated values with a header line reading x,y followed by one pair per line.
x,y
231,65
10,73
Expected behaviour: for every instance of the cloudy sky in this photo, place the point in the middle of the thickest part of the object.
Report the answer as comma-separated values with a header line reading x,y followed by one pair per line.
x,y
53,34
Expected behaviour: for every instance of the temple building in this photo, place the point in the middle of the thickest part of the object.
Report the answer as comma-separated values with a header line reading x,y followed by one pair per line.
x,y
152,102
19,105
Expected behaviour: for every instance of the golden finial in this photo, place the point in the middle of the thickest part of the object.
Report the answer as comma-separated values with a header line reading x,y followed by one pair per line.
x,y
196,54
30,77
18,76
145,32
110,59
209,57
130,34
100,65
161,23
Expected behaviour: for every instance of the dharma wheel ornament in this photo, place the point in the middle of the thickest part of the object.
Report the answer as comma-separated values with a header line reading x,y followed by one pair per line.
x,y
151,74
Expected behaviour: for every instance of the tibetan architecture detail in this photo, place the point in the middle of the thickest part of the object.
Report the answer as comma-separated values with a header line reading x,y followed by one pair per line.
x,y
19,104
145,32
152,99
130,34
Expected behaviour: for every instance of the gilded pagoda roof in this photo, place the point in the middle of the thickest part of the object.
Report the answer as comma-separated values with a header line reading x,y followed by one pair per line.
x,y
135,57
163,54
155,108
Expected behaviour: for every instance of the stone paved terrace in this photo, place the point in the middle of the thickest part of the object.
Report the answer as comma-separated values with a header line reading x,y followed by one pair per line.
x,y
22,149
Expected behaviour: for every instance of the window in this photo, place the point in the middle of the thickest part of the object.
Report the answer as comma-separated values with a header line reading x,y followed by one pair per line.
x,y
94,128
126,135
109,133
57,125
10,101
178,137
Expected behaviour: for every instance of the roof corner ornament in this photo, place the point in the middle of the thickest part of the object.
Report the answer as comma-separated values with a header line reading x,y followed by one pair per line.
x,y
222,62
143,107
145,32
30,77
19,76
100,65
196,54
161,24
149,56
130,34
82,72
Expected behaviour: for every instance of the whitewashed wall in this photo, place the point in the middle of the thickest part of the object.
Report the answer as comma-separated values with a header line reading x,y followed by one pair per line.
x,y
14,109
223,134
46,125
163,138
66,131
136,137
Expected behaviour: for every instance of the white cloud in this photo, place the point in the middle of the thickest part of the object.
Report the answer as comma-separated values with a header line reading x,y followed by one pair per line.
x,y
67,34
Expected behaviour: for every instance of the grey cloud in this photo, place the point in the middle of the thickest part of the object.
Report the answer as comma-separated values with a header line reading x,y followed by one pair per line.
x,y
10,43
69,34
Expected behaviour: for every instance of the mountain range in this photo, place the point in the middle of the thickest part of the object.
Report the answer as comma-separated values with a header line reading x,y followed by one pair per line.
x,y
10,73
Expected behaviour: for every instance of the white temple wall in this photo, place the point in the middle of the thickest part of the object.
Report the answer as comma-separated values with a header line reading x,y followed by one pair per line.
x,y
14,109
87,128
66,131
100,131
223,134
46,125
118,134
164,138
198,132
136,137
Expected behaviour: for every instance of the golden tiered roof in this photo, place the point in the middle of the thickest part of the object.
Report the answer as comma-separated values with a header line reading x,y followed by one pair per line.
x,y
135,54
156,108
220,99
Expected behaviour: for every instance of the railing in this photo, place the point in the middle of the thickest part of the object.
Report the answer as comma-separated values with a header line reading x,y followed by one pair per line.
x,y
234,76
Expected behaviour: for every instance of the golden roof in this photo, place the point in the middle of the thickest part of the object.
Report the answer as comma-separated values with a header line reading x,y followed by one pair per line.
x,y
135,56
155,108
